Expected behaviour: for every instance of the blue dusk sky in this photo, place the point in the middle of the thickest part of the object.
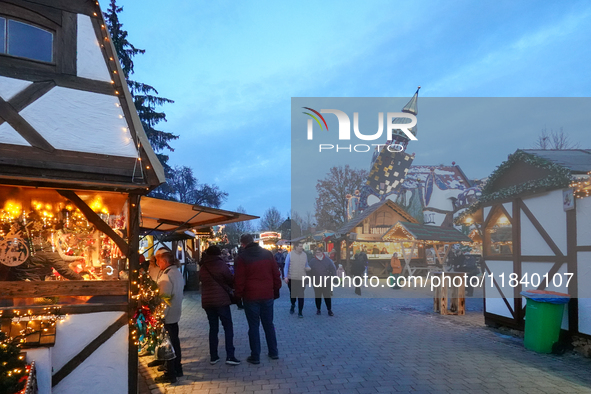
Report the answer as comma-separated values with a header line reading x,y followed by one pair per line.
x,y
232,69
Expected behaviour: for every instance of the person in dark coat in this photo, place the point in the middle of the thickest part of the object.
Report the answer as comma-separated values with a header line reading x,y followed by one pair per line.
x,y
258,283
358,268
322,269
217,281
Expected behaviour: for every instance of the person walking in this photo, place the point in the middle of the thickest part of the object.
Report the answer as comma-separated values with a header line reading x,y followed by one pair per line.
x,y
296,267
322,270
171,284
257,282
216,284
280,259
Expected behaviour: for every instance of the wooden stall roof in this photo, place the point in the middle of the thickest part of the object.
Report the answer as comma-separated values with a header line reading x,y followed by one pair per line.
x,y
171,215
421,232
351,224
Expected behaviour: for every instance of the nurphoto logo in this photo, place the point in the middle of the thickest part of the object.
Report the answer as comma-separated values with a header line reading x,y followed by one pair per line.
x,y
393,120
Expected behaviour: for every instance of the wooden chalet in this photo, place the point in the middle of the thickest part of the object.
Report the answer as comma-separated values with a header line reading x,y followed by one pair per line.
x,y
366,229
536,223
74,162
415,238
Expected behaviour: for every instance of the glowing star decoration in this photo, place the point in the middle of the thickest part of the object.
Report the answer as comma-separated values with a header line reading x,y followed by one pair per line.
x,y
13,250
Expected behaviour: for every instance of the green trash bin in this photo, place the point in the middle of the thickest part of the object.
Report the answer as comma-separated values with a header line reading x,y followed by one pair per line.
x,y
543,318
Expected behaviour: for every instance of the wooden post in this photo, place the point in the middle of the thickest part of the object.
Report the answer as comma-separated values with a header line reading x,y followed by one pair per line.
x,y
133,232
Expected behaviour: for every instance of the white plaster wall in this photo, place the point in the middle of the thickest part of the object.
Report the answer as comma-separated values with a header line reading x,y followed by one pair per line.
x,y
583,280
90,61
509,208
42,358
81,121
543,268
494,298
485,212
547,208
583,221
9,87
532,243
9,135
105,371
77,331
440,199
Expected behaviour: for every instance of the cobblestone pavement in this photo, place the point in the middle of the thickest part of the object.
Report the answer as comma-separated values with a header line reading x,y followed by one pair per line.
x,y
371,345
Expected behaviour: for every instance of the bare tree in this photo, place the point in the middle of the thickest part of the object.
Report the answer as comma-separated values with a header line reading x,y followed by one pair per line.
x,y
271,220
331,203
235,230
557,140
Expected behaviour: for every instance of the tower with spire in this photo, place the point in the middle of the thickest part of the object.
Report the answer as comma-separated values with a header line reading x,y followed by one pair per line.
x,y
398,137
389,167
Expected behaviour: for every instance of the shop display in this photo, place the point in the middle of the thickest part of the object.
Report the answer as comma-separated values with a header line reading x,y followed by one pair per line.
x,y
46,237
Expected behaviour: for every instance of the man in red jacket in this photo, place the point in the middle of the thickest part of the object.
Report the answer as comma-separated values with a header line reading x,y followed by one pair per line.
x,y
258,282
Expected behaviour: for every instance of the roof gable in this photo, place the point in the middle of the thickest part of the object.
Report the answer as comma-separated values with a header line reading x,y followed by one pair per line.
x,y
524,172
420,232
386,205
72,121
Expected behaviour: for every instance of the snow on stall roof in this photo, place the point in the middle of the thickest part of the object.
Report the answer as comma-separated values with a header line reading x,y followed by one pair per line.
x,y
450,175
576,160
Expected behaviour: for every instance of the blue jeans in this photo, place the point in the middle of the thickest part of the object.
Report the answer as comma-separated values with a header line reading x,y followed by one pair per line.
x,y
215,315
258,312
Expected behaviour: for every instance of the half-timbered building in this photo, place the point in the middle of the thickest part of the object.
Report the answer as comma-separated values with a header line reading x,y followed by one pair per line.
x,y
74,161
537,234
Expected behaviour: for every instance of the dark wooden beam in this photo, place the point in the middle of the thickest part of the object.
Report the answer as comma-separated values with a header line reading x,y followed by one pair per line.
x,y
96,220
515,220
79,358
133,234
541,259
48,17
66,58
18,123
105,184
572,267
69,309
31,93
62,288
171,222
39,72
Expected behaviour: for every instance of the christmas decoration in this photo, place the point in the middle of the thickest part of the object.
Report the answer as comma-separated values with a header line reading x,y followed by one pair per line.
x,y
559,177
13,367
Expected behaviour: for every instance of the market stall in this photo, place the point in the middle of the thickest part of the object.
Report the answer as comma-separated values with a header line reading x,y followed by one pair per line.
x,y
74,161
365,232
413,237
535,218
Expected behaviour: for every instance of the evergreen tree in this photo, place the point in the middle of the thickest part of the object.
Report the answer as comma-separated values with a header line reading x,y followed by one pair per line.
x,y
12,365
180,184
144,96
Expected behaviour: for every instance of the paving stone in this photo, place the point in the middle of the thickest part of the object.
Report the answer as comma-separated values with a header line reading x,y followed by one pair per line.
x,y
377,345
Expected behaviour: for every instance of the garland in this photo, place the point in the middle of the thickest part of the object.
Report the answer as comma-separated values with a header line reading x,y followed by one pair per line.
x,y
560,178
